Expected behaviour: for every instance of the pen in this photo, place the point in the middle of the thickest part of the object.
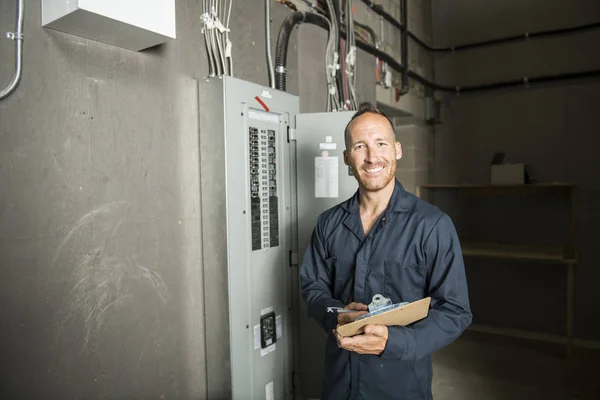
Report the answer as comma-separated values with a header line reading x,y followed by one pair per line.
x,y
340,310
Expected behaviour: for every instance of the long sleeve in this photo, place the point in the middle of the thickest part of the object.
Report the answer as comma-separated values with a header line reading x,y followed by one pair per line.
x,y
315,281
450,312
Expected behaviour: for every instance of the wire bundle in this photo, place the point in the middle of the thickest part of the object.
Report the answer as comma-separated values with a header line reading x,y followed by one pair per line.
x,y
332,57
341,56
216,36
350,61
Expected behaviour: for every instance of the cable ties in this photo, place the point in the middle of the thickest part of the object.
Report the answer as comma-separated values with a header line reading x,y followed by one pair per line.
x,y
228,48
207,22
351,56
219,25
15,36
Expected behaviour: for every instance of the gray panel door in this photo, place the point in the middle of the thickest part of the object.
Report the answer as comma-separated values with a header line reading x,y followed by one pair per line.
x,y
319,150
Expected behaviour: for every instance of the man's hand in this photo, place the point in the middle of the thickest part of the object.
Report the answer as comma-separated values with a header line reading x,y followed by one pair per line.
x,y
373,341
346,318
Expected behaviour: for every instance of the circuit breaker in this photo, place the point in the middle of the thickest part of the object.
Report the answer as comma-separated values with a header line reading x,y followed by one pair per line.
x,y
263,187
246,202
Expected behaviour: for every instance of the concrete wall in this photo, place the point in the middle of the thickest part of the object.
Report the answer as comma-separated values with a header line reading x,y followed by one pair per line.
x,y
100,270
553,127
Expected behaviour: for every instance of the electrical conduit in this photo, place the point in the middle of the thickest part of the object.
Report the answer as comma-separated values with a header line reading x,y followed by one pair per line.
x,y
284,37
18,38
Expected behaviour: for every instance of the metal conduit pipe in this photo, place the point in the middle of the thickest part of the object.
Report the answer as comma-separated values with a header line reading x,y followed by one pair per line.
x,y
268,44
378,9
284,37
319,20
404,46
523,82
18,38
369,30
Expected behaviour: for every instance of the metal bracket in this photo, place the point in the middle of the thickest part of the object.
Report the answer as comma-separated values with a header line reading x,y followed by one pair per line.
x,y
293,259
291,134
379,303
15,36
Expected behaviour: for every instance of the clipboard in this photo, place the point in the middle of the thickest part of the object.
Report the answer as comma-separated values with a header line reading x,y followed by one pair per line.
x,y
401,316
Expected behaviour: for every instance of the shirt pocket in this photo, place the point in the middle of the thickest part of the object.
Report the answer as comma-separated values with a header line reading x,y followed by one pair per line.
x,y
404,281
330,264
340,278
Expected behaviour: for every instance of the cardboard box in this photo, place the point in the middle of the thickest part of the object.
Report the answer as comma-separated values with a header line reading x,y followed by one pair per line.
x,y
508,174
401,316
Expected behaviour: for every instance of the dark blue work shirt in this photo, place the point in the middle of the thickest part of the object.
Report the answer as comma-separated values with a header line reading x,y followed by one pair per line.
x,y
411,252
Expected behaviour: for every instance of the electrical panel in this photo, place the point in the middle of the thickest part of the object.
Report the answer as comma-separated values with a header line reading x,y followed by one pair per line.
x,y
247,204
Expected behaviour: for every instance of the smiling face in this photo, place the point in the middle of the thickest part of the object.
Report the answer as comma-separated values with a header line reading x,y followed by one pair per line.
x,y
372,151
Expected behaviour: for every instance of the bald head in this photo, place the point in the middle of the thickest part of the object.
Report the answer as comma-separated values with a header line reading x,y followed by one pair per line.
x,y
363,109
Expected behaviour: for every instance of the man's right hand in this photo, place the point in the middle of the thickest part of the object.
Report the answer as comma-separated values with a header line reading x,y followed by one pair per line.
x,y
346,318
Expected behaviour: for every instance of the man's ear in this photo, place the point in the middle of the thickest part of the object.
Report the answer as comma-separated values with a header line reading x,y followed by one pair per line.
x,y
346,157
398,150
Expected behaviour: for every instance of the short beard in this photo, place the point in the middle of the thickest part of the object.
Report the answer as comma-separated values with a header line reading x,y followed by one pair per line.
x,y
371,188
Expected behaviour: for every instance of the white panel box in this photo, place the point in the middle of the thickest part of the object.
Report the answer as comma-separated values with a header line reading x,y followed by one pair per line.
x,y
131,24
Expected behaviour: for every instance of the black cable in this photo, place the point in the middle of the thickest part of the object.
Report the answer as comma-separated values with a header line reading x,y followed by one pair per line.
x,y
378,9
321,21
526,36
284,37
404,46
369,30
525,82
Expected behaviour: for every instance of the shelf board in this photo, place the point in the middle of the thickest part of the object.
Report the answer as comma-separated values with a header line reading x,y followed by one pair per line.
x,y
532,187
554,254
518,333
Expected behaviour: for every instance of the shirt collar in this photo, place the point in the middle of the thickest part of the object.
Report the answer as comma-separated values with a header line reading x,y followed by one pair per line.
x,y
399,202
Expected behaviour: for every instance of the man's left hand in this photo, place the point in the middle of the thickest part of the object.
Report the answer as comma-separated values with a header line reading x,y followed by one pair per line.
x,y
372,341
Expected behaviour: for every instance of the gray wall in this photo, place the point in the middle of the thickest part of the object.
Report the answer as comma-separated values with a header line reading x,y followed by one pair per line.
x,y
100,270
552,127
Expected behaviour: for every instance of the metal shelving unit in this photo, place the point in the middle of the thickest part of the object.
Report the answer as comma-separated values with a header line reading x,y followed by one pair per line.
x,y
548,254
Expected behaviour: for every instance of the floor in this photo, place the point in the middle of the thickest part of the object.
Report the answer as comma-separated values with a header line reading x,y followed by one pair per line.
x,y
480,366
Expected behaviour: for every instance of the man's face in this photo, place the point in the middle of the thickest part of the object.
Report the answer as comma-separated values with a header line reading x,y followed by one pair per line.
x,y
372,151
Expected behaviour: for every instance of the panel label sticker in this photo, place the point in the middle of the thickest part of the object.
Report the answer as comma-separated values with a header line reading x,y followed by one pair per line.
x,y
328,146
265,311
326,177
256,337
267,350
278,326
269,392
263,116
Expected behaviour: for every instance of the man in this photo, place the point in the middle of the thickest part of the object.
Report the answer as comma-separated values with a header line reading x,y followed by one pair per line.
x,y
383,240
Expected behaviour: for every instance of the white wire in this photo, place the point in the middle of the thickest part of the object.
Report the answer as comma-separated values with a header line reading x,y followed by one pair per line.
x,y
216,35
332,61
207,40
230,56
350,56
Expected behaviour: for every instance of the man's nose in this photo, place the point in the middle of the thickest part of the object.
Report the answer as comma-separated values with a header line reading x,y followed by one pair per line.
x,y
369,155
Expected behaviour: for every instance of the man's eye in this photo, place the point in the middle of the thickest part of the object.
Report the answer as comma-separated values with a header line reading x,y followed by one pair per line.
x,y
360,146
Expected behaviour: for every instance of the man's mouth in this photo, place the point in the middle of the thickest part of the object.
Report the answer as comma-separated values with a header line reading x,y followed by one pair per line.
x,y
374,170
